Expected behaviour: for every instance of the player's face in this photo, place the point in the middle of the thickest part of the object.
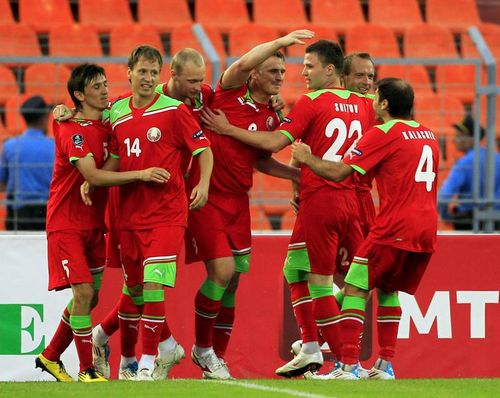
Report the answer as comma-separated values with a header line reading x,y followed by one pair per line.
x,y
314,72
360,78
269,76
463,142
188,83
144,77
96,93
380,108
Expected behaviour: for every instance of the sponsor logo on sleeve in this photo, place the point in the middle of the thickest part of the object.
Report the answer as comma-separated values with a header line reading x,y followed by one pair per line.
x,y
77,141
199,135
357,152
287,120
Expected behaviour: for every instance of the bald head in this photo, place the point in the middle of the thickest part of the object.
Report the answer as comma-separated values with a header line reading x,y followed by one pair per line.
x,y
185,56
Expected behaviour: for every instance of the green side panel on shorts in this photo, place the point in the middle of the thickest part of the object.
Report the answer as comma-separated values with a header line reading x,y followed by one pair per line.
x,y
388,299
339,297
80,321
228,300
293,275
318,291
163,273
125,290
97,280
69,307
242,263
287,135
154,296
354,303
138,300
297,259
358,276
212,290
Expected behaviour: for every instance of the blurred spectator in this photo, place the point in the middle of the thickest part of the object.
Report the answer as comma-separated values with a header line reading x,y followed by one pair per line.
x,y
459,184
26,169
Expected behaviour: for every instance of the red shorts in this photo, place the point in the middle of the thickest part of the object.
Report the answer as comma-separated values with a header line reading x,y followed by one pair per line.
x,y
391,269
330,221
219,229
137,246
366,211
73,256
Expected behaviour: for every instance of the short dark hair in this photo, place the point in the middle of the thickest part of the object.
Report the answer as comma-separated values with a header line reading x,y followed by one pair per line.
x,y
346,69
399,94
82,75
145,51
329,52
34,109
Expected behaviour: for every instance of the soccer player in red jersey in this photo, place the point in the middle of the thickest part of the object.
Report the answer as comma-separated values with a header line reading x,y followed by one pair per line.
x,y
220,232
149,126
75,232
394,256
330,119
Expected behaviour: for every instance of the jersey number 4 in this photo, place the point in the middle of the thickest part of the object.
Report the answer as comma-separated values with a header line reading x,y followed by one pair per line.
x,y
425,167
343,134
135,148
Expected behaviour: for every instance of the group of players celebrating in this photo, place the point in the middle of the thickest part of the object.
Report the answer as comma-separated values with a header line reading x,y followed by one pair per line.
x,y
180,183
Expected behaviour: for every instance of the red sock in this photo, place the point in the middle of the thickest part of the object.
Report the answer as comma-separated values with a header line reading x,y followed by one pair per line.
x,y
222,330
61,340
206,311
152,322
387,325
326,311
129,316
82,336
110,324
303,310
165,331
351,322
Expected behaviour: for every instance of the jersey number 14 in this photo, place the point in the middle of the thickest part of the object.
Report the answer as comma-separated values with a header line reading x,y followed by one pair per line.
x,y
135,148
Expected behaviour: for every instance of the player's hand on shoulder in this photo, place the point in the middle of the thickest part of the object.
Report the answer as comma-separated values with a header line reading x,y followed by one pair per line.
x,y
300,151
62,113
199,197
215,120
296,37
277,102
154,174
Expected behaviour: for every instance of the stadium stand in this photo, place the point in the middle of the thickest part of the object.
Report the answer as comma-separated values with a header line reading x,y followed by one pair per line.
x,y
341,14
117,77
104,15
14,123
429,41
8,84
396,14
74,40
6,17
47,80
456,80
377,40
243,37
258,218
416,74
490,33
42,15
125,37
221,15
164,15
294,84
18,40
465,13
279,14
321,32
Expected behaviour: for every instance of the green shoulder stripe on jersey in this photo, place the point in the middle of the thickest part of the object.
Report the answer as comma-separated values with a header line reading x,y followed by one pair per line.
x,y
159,88
163,102
281,117
73,159
385,127
119,110
344,94
198,151
105,116
358,169
370,96
287,135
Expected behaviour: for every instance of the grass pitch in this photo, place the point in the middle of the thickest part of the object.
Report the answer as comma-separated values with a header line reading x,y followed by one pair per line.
x,y
262,388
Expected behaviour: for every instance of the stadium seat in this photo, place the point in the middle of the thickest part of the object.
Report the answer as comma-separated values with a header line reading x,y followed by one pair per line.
x,y
339,14
321,32
416,75
457,15
18,40
294,85
243,38
259,220
8,84
74,40
429,41
47,80
43,14
457,80
274,192
221,14
6,17
124,38
163,14
117,77
14,123
104,15
279,14
438,112
395,14
490,33
288,220
377,40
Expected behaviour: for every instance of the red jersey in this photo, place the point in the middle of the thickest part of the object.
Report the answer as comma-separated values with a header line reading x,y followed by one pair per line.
x,y
75,139
365,181
329,121
234,161
405,158
158,135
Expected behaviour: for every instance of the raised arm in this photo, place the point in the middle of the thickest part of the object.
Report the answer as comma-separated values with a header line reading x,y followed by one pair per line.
x,y
237,74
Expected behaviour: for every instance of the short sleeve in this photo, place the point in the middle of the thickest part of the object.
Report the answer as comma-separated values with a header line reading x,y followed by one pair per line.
x,y
295,124
371,149
192,134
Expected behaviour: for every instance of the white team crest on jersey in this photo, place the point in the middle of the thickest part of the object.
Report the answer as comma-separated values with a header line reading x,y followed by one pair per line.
x,y
270,123
154,134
